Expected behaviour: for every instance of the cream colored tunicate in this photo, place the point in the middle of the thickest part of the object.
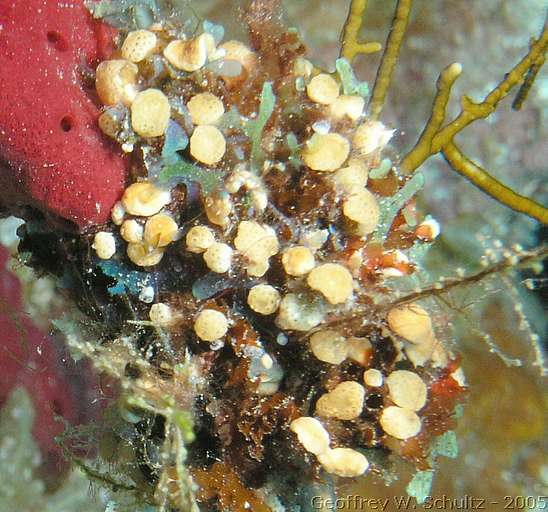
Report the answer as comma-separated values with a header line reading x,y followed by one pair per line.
x,y
218,257
430,349
246,59
160,230
210,325
299,312
329,346
150,113
144,256
353,177
145,199
118,213
362,207
116,82
373,378
162,315
302,67
298,261
264,299
333,281
257,243
189,55
411,322
138,45
104,245
344,402
199,239
132,231
207,144
344,462
311,434
314,239
347,106
400,423
359,350
218,207
323,89
371,136
326,152
205,109
110,122
407,389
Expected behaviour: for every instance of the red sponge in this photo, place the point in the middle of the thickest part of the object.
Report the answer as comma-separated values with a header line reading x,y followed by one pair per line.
x,y
52,154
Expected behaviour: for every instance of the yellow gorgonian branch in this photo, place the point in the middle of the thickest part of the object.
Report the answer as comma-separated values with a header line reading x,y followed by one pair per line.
x,y
472,111
435,138
389,57
523,92
484,181
351,47
423,147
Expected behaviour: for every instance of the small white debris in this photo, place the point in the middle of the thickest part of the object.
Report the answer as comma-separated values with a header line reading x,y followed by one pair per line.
x,y
117,214
322,126
428,230
282,339
146,294
459,377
